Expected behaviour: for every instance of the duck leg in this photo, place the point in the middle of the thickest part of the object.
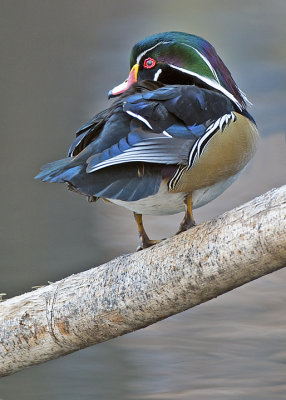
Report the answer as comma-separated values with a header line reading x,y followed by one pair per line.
x,y
188,220
143,237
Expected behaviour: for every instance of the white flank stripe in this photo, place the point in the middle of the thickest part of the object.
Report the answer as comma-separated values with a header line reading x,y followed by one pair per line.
x,y
139,117
219,123
223,120
209,131
167,134
194,150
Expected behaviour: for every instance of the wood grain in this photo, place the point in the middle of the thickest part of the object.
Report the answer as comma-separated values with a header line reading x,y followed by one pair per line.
x,y
136,290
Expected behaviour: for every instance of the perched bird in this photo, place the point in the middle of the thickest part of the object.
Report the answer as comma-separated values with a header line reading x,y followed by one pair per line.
x,y
176,137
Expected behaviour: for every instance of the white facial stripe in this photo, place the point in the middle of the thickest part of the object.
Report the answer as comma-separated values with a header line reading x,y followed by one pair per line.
x,y
209,82
213,83
156,76
205,60
146,51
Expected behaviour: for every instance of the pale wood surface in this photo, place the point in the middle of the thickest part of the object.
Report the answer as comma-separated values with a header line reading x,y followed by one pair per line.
x,y
136,290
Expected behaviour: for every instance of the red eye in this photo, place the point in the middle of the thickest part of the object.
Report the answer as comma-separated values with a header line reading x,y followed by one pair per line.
x,y
149,63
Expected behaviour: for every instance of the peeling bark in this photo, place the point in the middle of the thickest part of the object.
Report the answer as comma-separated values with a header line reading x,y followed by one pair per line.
x,y
136,290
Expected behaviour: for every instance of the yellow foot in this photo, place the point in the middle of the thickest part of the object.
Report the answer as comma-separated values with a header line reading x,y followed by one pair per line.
x,y
144,240
185,225
188,220
144,244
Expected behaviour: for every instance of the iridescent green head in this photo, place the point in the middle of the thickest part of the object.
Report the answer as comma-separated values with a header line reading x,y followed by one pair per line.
x,y
181,58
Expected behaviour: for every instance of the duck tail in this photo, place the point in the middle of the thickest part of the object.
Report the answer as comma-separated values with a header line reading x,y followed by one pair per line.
x,y
58,171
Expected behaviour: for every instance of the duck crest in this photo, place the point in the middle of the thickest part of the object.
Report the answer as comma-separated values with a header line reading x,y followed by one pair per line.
x,y
191,55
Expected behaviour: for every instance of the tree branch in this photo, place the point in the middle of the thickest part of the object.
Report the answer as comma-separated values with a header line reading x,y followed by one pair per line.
x,y
136,290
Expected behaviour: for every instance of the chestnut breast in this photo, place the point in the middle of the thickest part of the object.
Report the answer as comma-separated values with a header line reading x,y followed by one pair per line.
x,y
227,152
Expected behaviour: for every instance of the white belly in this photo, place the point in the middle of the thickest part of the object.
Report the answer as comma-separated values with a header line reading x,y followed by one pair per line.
x,y
161,203
164,202
203,196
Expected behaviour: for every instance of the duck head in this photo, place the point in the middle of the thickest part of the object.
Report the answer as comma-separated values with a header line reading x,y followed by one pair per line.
x,y
182,59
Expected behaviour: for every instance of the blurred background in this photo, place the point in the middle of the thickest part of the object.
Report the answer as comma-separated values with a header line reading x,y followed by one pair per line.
x,y
58,61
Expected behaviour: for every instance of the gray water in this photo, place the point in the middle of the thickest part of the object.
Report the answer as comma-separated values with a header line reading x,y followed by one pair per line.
x,y
58,61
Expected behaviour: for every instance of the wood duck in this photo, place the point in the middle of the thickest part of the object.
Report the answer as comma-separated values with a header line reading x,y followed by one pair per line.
x,y
176,136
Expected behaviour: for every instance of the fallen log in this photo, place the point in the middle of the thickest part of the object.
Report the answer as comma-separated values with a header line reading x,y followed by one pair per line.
x,y
136,290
